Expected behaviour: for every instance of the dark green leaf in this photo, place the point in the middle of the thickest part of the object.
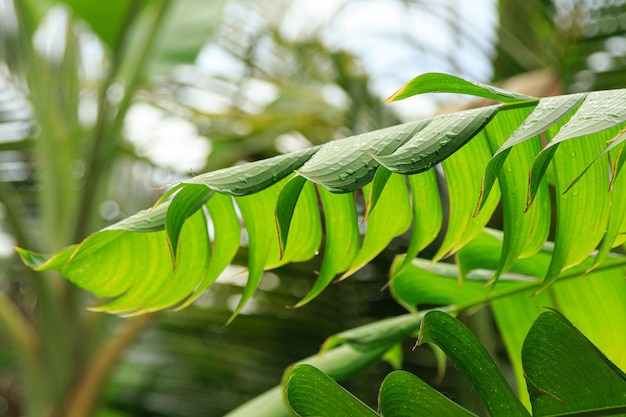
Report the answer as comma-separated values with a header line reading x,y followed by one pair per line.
x,y
405,395
567,374
186,202
442,137
310,392
471,357
285,207
378,185
346,165
255,176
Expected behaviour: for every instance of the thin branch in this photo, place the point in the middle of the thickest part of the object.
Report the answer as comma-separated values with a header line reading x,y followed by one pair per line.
x,y
88,387
18,329
15,215
574,272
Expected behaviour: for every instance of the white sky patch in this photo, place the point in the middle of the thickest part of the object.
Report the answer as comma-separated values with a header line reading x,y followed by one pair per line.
x,y
291,142
214,60
335,96
233,275
169,142
7,242
49,39
397,43
303,18
258,95
205,101
7,17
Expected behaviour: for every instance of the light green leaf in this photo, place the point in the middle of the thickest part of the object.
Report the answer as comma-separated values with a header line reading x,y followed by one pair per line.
x,y
576,297
463,171
342,239
620,163
514,315
471,357
382,228
524,232
600,111
614,143
310,392
113,263
582,214
566,373
616,220
405,395
548,112
258,215
445,83
427,213
227,236
306,228
168,286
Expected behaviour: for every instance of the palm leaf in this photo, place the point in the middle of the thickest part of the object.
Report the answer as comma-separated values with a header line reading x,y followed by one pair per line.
x,y
132,260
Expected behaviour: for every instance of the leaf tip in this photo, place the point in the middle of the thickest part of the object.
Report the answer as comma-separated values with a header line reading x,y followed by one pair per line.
x,y
31,259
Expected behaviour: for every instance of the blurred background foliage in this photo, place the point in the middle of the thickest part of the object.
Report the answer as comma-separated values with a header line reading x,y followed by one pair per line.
x,y
101,102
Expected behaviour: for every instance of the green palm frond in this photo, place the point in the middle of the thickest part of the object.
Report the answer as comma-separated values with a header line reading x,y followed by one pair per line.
x,y
165,257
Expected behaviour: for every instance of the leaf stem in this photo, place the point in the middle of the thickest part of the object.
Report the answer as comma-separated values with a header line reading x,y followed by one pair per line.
x,y
572,273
